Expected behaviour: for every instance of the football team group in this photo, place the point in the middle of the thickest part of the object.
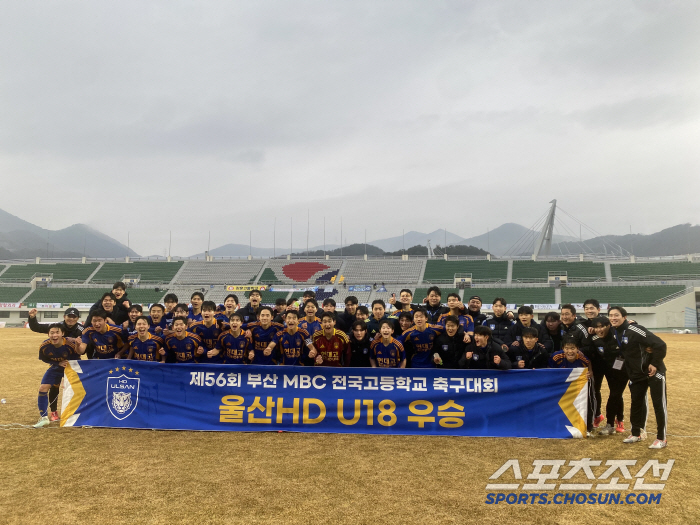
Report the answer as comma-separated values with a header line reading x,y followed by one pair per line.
x,y
403,334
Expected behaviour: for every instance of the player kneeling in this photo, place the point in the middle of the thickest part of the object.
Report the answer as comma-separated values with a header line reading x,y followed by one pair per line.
x,y
56,351
571,357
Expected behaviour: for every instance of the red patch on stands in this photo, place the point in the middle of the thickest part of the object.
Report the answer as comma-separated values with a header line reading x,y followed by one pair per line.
x,y
303,271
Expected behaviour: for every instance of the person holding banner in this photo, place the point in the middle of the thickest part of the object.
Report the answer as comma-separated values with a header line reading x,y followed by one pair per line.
x,y
56,351
484,353
71,328
387,352
333,346
143,345
182,346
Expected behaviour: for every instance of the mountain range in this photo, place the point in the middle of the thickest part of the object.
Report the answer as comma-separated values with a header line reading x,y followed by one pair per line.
x,y
20,239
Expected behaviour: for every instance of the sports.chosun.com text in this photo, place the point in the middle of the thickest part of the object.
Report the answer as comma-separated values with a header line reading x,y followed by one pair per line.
x,y
573,498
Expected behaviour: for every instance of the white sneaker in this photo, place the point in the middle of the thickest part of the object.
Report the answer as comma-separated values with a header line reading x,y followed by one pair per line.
x,y
659,443
634,439
607,430
43,422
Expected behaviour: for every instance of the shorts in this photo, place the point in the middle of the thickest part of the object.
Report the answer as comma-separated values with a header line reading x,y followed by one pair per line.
x,y
53,375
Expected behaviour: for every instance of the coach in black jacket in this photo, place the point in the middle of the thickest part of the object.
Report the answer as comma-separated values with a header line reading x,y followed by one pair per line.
x,y
499,322
644,354
570,325
450,348
483,353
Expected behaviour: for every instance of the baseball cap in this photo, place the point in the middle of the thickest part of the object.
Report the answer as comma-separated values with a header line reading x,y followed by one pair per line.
x,y
72,311
475,297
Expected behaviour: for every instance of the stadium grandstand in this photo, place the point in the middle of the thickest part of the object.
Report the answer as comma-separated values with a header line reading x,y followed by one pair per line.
x,y
659,291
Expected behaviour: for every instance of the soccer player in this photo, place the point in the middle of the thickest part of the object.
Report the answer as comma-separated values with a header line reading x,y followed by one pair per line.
x,y
404,302
525,319
332,345
108,340
280,309
387,352
591,309
143,345
530,353
262,332
484,353
362,314
252,309
571,326
450,345
360,350
208,330
135,311
474,309
570,356
56,351
499,322
348,315
182,346
119,311
456,308
549,333
418,341
644,354
170,301
115,315
378,315
608,363
195,313
234,344
294,343
405,321
157,319
310,322
71,328
230,306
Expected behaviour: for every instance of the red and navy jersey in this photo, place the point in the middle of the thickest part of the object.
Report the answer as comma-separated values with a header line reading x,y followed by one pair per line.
x,y
292,347
420,344
311,327
465,321
334,350
234,350
66,351
209,336
559,360
183,349
146,350
389,355
106,345
261,338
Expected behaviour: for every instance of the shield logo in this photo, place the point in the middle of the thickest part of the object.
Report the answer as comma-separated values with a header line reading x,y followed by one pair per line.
x,y
122,395
492,326
625,340
601,349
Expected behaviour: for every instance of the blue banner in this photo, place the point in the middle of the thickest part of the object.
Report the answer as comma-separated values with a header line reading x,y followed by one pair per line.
x,y
138,394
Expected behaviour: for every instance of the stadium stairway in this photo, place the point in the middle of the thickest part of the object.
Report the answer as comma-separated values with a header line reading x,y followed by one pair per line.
x,y
177,275
99,266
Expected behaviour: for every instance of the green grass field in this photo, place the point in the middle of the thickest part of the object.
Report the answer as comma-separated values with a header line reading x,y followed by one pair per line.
x,y
96,476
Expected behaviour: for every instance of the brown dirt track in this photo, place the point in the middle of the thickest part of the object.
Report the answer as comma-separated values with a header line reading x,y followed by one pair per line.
x,y
100,476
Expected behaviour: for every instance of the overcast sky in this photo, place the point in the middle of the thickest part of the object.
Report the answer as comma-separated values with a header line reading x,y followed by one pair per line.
x,y
192,116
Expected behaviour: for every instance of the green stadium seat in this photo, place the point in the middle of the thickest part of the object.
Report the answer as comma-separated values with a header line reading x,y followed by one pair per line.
x,y
61,272
576,271
10,294
540,295
154,272
620,295
268,277
658,271
441,271
66,296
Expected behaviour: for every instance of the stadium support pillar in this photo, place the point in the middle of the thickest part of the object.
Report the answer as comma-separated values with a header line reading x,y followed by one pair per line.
x,y
126,259
365,257
580,257
38,260
404,257
250,257
170,258
328,257
534,256
84,260
444,256
488,256
690,257
289,257
631,258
